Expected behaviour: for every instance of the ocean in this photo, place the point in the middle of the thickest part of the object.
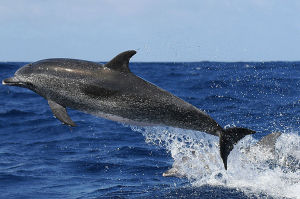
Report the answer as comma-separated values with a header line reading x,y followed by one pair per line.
x,y
41,158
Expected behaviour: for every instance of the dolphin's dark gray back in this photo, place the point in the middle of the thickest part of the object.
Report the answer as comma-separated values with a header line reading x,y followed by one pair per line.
x,y
114,90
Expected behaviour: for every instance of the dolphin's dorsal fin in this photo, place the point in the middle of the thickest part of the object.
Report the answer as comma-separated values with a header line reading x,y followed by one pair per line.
x,y
60,113
268,142
121,61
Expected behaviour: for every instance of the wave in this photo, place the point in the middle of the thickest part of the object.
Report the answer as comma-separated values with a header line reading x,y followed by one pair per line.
x,y
10,178
256,172
15,113
222,98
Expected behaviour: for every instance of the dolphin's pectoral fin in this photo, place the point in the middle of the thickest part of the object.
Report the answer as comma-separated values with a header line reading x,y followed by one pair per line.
x,y
121,61
60,113
228,138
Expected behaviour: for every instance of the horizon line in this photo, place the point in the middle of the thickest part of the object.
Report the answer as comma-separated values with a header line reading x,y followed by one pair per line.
x,y
262,61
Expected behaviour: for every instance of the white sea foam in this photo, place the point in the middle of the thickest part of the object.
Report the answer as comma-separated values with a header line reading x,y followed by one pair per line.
x,y
253,171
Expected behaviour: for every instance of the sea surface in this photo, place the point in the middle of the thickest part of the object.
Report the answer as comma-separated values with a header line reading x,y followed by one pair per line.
x,y
41,158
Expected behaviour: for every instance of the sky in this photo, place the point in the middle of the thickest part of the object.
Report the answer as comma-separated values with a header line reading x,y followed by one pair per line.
x,y
160,30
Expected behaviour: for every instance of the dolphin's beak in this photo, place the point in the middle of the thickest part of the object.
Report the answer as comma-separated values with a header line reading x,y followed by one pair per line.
x,y
12,81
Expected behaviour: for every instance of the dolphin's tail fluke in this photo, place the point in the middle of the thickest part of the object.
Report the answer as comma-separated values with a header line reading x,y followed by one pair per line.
x,y
228,138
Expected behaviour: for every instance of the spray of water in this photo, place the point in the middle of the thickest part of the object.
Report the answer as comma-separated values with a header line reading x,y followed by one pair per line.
x,y
250,169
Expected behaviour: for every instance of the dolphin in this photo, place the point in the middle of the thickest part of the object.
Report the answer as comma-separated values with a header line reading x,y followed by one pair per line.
x,y
113,92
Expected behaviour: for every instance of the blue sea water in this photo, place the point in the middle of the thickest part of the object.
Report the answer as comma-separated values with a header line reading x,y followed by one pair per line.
x,y
41,158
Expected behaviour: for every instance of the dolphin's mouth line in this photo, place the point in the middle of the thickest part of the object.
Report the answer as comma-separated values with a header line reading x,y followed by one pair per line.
x,y
12,82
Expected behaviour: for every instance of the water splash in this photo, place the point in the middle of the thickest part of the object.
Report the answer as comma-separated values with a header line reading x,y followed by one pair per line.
x,y
250,169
